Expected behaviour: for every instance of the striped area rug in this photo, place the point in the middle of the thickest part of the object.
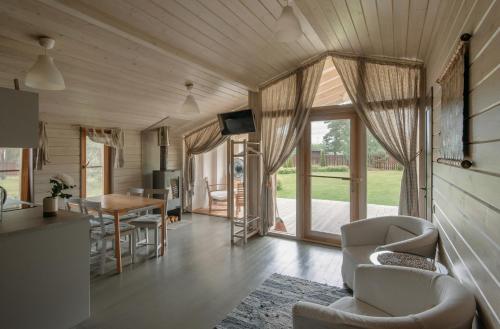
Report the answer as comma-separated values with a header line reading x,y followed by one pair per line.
x,y
270,306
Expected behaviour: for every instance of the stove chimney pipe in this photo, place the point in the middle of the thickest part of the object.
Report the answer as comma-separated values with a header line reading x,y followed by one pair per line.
x,y
163,143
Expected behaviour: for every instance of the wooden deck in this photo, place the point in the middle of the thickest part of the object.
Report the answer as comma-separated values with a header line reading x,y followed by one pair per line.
x,y
328,216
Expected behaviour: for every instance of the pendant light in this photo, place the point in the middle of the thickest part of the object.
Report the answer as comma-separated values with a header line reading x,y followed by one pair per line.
x,y
288,26
190,106
44,74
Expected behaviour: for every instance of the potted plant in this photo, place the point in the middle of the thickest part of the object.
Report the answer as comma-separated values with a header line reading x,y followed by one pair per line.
x,y
59,184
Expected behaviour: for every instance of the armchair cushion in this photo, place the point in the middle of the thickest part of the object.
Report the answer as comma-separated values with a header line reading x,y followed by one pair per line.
x,y
397,234
356,306
219,195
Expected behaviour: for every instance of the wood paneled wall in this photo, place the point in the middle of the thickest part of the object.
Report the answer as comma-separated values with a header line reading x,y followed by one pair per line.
x,y
64,156
130,174
466,203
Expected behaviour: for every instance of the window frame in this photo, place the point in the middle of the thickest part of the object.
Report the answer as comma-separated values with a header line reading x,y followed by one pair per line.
x,y
83,166
25,175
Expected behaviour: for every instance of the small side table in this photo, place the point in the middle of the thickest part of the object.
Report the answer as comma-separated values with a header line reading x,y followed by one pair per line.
x,y
407,260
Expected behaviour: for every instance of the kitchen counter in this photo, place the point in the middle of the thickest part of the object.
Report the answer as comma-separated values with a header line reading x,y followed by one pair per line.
x,y
45,274
20,221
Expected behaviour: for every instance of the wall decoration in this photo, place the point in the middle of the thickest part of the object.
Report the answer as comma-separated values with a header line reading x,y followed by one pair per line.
x,y
454,107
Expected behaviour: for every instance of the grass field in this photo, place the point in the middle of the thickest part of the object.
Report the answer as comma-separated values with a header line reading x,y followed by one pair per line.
x,y
12,184
383,187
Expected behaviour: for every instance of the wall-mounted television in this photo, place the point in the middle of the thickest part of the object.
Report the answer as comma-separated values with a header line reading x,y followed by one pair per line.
x,y
238,122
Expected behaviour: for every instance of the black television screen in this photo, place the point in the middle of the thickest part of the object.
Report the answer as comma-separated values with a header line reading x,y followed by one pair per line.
x,y
234,123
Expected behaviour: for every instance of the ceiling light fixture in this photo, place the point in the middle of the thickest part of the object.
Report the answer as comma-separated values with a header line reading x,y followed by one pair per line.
x,y
190,106
288,26
44,74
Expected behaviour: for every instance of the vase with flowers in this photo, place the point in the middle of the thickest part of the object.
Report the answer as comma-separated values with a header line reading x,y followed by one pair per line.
x,y
59,184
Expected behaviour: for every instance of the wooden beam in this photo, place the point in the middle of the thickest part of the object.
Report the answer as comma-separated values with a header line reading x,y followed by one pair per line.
x,y
110,24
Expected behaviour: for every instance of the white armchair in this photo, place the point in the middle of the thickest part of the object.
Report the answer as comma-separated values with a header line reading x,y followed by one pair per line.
x,y
396,233
393,297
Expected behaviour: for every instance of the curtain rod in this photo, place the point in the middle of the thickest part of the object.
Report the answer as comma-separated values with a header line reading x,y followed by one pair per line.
x,y
333,53
95,128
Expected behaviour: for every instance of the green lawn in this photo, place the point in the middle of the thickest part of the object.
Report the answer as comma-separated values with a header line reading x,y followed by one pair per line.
x,y
383,187
12,184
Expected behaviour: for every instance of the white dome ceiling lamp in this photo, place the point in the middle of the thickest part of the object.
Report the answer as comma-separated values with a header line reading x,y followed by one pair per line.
x,y
288,27
190,106
44,74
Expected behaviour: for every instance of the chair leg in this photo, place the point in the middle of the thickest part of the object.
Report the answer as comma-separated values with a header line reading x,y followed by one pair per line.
x,y
166,236
156,242
132,246
103,255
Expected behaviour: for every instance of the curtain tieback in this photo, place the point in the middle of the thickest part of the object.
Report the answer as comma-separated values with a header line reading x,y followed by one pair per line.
x,y
268,180
407,163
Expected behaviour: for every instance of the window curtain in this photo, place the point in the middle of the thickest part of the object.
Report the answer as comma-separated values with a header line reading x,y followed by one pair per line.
x,y
112,137
41,153
286,105
387,98
199,141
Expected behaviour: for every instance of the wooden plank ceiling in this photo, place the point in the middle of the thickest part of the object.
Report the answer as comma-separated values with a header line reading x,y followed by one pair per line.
x,y
125,62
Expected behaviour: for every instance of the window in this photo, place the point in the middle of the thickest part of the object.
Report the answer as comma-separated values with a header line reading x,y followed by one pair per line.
x,y
14,172
95,175
331,90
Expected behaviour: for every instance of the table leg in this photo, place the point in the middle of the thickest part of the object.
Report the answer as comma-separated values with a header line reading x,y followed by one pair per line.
x,y
163,230
118,247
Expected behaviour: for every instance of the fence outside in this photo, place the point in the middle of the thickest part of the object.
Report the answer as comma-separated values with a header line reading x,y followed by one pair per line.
x,y
375,161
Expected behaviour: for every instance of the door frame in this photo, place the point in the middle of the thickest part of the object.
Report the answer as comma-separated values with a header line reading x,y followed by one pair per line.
x,y
357,170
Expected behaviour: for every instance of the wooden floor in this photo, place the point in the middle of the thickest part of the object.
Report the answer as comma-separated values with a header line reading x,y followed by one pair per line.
x,y
219,212
202,277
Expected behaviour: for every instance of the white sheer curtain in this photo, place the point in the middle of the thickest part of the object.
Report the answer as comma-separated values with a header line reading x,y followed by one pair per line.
x,y
199,141
213,166
286,105
388,97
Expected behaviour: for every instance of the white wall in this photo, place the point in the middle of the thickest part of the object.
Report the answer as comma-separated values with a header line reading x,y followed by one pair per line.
x,y
467,201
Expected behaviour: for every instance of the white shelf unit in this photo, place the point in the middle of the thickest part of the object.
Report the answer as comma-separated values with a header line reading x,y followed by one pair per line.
x,y
249,224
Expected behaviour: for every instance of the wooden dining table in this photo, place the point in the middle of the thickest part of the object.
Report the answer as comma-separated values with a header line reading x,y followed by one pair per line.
x,y
121,204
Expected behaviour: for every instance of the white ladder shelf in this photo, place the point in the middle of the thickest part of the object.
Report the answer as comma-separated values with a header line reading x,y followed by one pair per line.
x,y
248,225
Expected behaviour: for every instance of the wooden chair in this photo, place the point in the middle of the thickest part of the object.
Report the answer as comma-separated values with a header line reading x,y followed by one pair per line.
x,y
75,204
104,233
216,194
132,191
152,221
